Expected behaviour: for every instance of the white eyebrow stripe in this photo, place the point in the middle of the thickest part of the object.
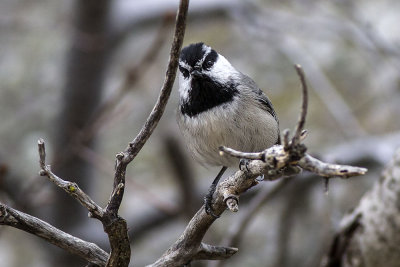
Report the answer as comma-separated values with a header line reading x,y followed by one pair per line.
x,y
184,65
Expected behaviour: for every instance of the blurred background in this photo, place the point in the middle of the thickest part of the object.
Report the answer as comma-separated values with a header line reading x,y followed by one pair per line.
x,y
84,76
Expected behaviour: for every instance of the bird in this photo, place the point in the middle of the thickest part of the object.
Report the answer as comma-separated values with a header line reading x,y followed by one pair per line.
x,y
220,106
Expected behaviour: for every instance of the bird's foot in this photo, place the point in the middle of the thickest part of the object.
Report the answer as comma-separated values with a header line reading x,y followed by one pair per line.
x,y
244,165
208,202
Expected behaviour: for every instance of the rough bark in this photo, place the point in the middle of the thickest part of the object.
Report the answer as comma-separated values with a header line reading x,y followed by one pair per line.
x,y
369,236
86,250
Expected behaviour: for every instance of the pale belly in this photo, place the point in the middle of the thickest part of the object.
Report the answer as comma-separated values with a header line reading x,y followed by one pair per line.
x,y
252,131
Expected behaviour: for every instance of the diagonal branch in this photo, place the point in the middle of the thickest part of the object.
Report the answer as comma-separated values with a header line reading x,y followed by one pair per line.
x,y
136,145
115,227
209,252
86,250
70,187
124,158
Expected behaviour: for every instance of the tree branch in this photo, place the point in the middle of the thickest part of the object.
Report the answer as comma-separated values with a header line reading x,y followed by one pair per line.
x,y
136,145
115,227
209,252
70,187
86,250
124,158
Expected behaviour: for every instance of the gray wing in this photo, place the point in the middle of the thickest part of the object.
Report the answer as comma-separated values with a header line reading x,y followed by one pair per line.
x,y
260,95
262,98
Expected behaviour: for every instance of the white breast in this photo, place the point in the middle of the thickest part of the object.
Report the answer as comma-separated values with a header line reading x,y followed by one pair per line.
x,y
250,130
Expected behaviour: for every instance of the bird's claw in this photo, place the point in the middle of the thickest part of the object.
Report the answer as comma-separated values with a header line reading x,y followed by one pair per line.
x,y
244,165
208,204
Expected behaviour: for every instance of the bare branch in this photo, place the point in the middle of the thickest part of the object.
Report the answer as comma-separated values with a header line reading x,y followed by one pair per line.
x,y
302,118
237,228
86,250
239,154
183,174
209,252
329,170
70,187
155,115
132,77
136,145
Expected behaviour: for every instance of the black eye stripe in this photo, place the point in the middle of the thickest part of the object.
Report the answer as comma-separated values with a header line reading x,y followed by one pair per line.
x,y
184,71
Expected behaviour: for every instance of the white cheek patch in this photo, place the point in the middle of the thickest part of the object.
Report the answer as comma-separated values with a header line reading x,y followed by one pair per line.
x,y
184,65
184,82
184,87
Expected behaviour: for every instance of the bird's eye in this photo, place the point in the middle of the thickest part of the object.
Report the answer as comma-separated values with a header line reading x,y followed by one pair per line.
x,y
207,64
184,71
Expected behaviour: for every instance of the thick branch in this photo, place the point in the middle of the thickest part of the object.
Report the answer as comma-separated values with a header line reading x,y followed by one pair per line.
x,y
86,250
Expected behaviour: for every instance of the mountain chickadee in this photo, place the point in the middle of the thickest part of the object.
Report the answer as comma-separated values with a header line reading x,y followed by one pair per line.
x,y
220,106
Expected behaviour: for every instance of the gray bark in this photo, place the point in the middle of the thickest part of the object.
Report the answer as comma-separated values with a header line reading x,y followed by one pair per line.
x,y
369,236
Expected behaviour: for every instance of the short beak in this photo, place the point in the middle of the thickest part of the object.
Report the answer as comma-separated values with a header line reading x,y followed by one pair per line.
x,y
196,73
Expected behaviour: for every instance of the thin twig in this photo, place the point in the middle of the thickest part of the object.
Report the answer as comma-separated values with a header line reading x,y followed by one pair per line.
x,y
155,115
136,145
209,252
115,226
239,154
70,187
329,170
302,118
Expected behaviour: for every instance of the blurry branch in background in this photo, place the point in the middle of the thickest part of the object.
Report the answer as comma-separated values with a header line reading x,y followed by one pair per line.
x,y
150,17
368,235
189,198
277,162
299,193
326,91
236,230
132,77
252,21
